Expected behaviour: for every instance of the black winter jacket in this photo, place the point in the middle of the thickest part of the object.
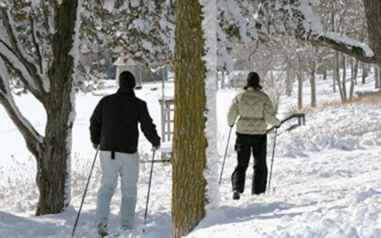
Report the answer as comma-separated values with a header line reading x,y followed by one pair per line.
x,y
114,123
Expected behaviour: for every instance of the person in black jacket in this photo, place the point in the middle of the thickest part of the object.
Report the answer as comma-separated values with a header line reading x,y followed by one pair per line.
x,y
114,129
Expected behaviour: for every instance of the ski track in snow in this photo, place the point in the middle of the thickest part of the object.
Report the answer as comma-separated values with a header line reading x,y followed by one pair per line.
x,y
326,180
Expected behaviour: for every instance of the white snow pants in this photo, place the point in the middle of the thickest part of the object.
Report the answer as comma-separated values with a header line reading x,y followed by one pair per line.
x,y
127,166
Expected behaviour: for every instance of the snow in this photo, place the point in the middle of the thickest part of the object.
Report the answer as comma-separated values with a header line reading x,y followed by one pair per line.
x,y
326,178
210,28
109,5
75,51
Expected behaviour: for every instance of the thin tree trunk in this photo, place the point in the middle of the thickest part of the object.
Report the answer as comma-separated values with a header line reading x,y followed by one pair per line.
x,y
344,79
189,184
377,77
353,79
289,80
365,73
336,69
313,85
325,73
300,90
337,79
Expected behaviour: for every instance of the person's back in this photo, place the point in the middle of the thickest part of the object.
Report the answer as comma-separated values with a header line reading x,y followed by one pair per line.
x,y
255,111
114,130
114,123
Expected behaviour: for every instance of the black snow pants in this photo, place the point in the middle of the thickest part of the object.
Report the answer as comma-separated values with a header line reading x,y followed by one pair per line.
x,y
245,145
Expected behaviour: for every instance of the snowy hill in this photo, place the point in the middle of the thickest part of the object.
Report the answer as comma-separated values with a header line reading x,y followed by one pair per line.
x,y
326,179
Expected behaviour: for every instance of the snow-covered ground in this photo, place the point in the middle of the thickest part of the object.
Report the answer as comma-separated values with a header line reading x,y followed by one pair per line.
x,y
326,178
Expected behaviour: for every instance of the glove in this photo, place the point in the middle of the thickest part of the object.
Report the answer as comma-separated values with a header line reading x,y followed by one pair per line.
x,y
155,147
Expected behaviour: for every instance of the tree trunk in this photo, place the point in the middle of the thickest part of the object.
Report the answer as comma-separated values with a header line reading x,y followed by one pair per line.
x,y
373,16
325,73
337,77
365,72
377,77
313,85
189,184
53,171
344,79
289,80
353,79
300,90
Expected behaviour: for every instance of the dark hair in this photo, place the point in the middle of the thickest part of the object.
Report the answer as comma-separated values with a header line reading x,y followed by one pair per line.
x,y
252,81
127,80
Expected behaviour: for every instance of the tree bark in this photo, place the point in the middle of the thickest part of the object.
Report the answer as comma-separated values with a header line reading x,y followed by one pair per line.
x,y
377,80
344,79
313,84
365,73
300,90
189,184
353,79
373,16
53,171
289,80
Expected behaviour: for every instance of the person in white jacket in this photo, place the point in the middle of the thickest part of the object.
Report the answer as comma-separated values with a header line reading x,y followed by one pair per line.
x,y
255,113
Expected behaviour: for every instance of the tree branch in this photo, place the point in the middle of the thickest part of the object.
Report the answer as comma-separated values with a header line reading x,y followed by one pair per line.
x,y
36,45
8,55
22,57
346,46
32,138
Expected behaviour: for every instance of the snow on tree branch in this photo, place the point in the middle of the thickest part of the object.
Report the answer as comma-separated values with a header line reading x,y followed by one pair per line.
x,y
297,18
6,99
349,46
26,64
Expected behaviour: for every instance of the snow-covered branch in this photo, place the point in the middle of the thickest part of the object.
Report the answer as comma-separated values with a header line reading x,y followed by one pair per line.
x,y
36,45
8,55
298,19
346,45
33,139
13,52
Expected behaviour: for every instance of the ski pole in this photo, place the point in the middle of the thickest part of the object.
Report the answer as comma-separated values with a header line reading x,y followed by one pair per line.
x,y
84,193
226,151
149,187
273,154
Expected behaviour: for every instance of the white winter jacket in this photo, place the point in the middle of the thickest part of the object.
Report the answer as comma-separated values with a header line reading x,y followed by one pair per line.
x,y
255,111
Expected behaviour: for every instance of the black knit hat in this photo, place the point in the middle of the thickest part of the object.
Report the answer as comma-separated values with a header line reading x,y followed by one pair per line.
x,y
253,81
127,80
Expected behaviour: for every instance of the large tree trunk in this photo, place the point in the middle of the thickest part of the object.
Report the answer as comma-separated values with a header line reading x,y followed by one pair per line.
x,y
53,174
189,184
373,15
